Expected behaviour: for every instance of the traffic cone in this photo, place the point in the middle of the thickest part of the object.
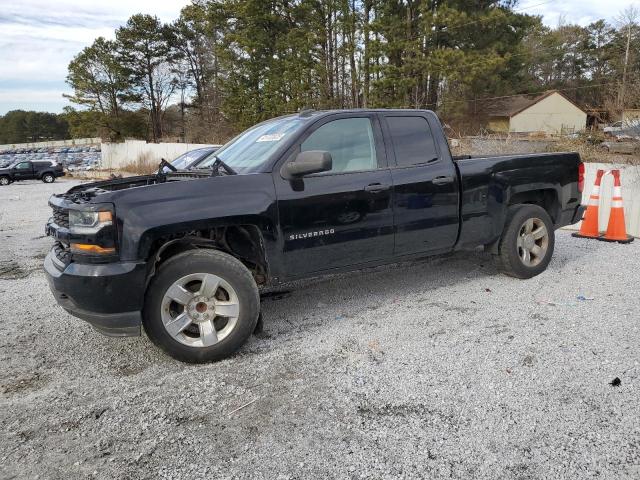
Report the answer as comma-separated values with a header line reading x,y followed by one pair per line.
x,y
589,227
616,230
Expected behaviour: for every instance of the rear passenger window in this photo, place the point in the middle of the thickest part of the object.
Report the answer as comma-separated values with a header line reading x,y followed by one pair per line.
x,y
412,140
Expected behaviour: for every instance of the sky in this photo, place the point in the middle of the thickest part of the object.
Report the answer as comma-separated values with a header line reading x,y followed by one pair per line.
x,y
40,37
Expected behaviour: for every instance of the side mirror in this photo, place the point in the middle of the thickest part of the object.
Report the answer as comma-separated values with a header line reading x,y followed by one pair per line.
x,y
306,163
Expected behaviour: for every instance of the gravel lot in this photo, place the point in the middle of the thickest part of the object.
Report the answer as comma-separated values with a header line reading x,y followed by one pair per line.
x,y
436,369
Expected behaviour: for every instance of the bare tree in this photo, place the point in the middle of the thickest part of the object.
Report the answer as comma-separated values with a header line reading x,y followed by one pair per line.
x,y
627,19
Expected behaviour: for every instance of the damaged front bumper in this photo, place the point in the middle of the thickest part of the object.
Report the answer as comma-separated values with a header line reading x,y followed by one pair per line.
x,y
108,296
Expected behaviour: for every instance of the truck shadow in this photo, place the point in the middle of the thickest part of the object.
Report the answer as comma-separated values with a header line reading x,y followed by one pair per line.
x,y
318,301
364,294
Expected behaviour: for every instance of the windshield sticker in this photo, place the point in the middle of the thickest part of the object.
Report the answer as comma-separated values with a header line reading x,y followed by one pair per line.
x,y
272,137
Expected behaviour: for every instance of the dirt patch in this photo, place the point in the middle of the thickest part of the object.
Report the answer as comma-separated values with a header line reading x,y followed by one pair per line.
x,y
12,270
129,370
407,410
447,307
22,383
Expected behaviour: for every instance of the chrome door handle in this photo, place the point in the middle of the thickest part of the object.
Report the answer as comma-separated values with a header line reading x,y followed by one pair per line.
x,y
442,180
376,188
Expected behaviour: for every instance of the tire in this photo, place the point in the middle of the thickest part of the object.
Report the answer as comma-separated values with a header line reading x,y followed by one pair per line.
x,y
522,226
4,181
178,294
48,178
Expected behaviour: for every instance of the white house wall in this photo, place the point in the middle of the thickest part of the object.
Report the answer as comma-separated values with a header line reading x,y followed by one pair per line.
x,y
552,114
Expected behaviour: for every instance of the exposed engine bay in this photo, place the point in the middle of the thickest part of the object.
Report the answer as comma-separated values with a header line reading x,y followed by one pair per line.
x,y
84,193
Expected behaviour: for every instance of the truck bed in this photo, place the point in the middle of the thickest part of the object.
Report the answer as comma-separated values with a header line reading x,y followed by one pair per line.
x,y
489,184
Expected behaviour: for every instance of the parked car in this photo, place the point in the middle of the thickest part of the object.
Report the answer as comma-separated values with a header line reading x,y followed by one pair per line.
x,y
45,171
185,254
627,148
614,127
192,158
629,129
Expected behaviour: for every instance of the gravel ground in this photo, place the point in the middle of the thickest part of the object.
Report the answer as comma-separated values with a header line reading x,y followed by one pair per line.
x,y
436,369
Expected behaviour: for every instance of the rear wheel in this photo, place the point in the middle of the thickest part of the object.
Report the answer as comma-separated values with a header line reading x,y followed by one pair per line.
x,y
202,306
4,181
527,242
48,178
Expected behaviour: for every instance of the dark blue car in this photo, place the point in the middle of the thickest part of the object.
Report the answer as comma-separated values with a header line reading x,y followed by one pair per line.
x,y
192,158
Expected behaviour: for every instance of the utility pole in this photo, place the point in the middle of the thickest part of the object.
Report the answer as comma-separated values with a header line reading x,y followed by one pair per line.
x,y
624,70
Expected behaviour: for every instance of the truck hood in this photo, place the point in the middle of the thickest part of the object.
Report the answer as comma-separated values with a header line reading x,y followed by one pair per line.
x,y
179,192
87,192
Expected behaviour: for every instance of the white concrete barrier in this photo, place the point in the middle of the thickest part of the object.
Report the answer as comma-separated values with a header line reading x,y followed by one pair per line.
x,y
74,142
630,179
116,155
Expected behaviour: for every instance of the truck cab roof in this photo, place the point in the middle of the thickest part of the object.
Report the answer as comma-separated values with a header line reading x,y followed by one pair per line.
x,y
316,114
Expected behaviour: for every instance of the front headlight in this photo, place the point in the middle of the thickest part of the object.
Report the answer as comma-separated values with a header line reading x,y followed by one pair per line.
x,y
92,232
89,222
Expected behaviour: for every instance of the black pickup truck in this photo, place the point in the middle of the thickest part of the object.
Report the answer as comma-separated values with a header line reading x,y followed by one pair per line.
x,y
186,253
43,170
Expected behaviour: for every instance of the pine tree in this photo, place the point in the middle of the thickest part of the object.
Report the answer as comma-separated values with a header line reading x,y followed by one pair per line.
x,y
145,55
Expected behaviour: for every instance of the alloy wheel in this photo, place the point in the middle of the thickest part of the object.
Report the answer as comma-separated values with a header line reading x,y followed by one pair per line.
x,y
200,310
533,242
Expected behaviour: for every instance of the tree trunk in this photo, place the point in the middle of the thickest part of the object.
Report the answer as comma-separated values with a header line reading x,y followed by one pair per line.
x,y
352,57
365,89
330,78
153,103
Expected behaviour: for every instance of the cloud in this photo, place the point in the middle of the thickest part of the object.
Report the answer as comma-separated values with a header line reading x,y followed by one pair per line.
x,y
581,12
30,95
33,99
40,38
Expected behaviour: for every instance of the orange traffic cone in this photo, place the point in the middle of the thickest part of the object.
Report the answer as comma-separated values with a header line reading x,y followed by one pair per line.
x,y
589,227
616,230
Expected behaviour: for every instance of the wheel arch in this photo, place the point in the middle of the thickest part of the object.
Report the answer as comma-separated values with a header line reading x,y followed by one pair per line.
x,y
244,242
546,198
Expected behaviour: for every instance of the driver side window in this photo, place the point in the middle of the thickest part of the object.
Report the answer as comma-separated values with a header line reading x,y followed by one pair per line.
x,y
350,142
23,166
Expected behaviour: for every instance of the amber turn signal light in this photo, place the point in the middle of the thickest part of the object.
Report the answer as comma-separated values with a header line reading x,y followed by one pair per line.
x,y
88,248
105,217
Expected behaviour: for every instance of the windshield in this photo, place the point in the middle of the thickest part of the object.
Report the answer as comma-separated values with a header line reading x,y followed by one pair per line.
x,y
251,149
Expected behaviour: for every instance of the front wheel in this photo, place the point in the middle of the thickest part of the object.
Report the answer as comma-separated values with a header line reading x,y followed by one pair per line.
x,y
48,178
4,181
527,242
202,306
